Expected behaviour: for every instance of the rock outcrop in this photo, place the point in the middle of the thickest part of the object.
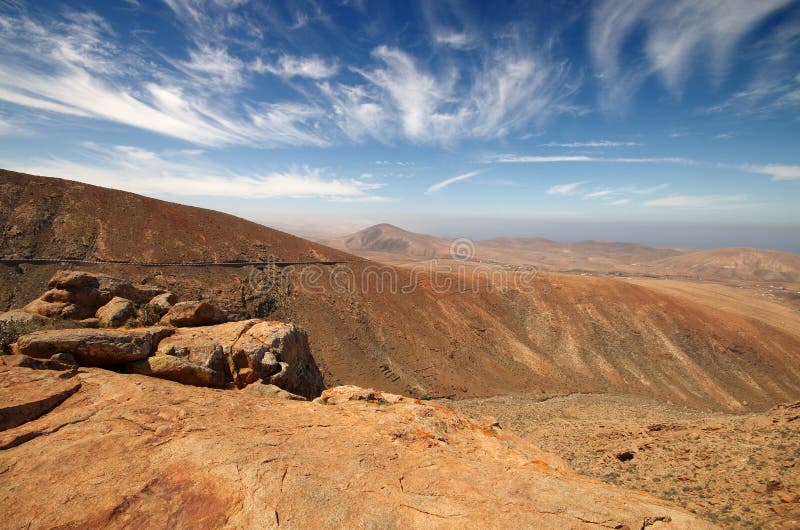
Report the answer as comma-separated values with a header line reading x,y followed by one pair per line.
x,y
77,295
193,313
93,347
249,351
129,451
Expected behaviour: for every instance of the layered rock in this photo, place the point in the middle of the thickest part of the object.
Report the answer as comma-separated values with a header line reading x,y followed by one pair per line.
x,y
77,295
27,394
249,351
128,451
179,370
93,347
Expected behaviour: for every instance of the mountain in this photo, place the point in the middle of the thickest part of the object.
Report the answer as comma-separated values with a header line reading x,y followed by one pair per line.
x,y
55,218
474,332
391,244
386,238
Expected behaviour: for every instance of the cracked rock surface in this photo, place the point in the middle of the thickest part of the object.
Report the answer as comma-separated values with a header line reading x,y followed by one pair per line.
x,y
132,451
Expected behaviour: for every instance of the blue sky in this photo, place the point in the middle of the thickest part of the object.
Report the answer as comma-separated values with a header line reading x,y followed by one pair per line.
x,y
670,123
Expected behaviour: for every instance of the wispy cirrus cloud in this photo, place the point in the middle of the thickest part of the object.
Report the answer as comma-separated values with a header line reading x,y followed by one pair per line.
x,y
675,33
699,201
536,159
510,88
187,173
72,65
454,39
76,64
447,182
288,66
597,143
776,171
571,188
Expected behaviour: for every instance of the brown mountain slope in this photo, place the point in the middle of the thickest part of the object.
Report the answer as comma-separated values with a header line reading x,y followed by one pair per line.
x,y
733,264
589,255
407,331
46,217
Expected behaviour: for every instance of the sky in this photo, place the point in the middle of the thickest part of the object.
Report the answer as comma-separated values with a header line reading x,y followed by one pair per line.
x,y
667,123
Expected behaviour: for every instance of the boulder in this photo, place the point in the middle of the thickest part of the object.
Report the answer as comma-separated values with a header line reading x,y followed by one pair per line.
x,y
193,313
162,303
93,347
250,351
206,346
78,295
91,288
177,369
45,308
116,312
257,354
19,316
298,372
271,391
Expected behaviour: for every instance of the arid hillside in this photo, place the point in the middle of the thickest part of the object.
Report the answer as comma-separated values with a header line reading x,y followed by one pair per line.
x,y
465,332
391,244
46,217
733,264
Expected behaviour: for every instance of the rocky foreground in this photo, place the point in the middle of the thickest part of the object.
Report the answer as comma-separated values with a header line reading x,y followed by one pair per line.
x,y
94,448
95,320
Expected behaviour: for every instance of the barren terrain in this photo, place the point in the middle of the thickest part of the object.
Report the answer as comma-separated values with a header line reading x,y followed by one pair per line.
x,y
738,470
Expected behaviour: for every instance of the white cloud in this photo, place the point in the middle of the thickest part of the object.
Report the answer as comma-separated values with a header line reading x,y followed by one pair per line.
x,y
598,194
698,201
566,189
215,65
184,173
675,33
522,159
622,195
73,67
288,66
600,143
454,39
509,89
776,171
443,184
525,159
